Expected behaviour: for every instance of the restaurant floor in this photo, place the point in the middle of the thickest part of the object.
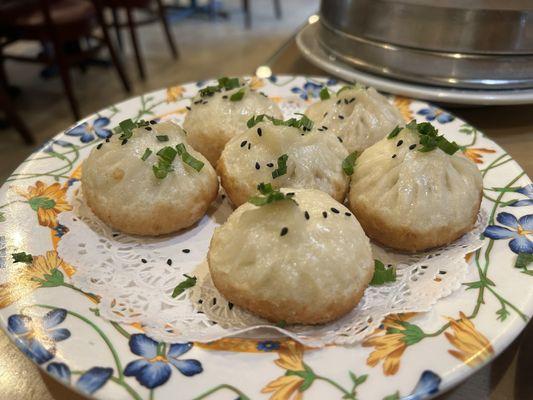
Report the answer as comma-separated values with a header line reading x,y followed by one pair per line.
x,y
208,50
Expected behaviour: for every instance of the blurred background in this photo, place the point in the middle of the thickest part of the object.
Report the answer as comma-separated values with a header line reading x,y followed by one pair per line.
x,y
210,39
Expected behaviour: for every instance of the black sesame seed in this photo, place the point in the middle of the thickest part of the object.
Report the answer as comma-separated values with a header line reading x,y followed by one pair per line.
x,y
284,231
341,116
290,194
223,196
340,139
270,165
243,143
259,132
346,101
339,101
400,142
214,301
352,100
143,261
124,142
306,215
200,301
186,251
197,102
153,122
169,262
324,127
204,102
107,140
320,129
115,234
224,97
99,146
249,146
325,114
230,305
188,108
257,166
148,128
394,156
324,214
348,214
333,209
412,147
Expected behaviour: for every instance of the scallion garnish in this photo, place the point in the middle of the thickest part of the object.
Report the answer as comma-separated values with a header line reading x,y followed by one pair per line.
x,y
146,154
162,138
430,138
270,195
348,163
282,166
189,282
126,127
394,132
223,83
382,275
303,123
238,95
22,257
189,159
324,93
164,165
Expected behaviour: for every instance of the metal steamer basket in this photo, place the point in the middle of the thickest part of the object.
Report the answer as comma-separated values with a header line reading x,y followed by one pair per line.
x,y
474,44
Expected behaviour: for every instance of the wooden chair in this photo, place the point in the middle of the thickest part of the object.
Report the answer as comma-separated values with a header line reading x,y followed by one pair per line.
x,y
129,6
13,118
248,14
58,22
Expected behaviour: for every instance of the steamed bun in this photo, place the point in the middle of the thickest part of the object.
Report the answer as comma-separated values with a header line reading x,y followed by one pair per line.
x,y
314,161
216,118
305,263
124,192
412,200
358,116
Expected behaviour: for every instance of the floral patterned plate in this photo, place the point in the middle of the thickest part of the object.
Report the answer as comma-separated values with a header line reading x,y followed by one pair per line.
x,y
410,356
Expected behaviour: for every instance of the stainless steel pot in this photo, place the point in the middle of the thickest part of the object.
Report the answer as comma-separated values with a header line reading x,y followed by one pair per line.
x,y
460,43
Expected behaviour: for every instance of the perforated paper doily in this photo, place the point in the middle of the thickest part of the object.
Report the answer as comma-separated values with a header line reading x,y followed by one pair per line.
x,y
135,277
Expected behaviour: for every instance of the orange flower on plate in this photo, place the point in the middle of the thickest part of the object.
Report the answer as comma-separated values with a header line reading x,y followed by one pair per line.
x,y
390,341
175,93
288,386
48,201
402,104
42,272
476,154
256,83
473,348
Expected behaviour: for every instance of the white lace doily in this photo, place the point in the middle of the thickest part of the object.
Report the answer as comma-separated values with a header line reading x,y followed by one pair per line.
x,y
135,277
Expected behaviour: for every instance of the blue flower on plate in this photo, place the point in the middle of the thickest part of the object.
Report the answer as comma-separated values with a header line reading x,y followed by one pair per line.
x,y
273,78
433,113
331,82
48,147
427,385
310,89
267,345
86,130
153,369
89,382
35,336
518,230
60,230
526,191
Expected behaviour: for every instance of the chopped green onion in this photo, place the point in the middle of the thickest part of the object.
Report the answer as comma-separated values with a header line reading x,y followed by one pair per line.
x,y
189,159
382,275
345,87
430,138
22,257
164,165
146,154
303,123
189,282
270,195
237,96
255,120
162,138
282,166
324,93
348,163
228,83
394,132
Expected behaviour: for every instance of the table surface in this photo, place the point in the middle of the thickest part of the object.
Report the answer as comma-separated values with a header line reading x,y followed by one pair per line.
x,y
508,377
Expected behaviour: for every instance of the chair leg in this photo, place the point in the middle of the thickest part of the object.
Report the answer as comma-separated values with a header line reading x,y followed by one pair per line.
x,y
14,119
116,61
277,8
166,28
63,66
136,49
116,25
247,14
